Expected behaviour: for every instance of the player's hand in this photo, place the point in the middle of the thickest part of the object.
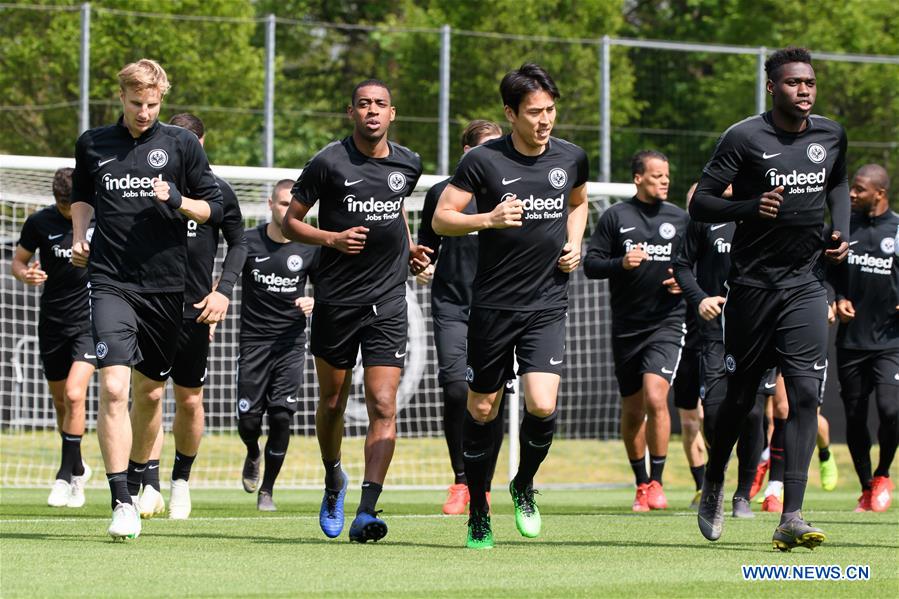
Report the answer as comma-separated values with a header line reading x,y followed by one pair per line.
x,y
831,313
633,258
839,249
426,276
671,284
214,307
351,241
769,203
419,258
570,258
845,310
33,275
81,251
212,328
507,213
710,307
306,304
167,192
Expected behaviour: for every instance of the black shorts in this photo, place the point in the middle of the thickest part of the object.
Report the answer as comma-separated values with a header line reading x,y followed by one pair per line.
x,y
687,382
859,371
497,337
450,339
60,348
269,376
136,329
189,368
776,327
768,384
381,330
659,353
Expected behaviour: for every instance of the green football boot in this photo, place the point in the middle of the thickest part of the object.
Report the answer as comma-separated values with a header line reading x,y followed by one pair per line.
x,y
480,534
829,473
527,515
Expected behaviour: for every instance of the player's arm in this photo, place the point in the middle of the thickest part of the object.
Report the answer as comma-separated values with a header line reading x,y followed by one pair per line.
x,y
426,235
684,263
419,258
197,210
450,221
82,215
838,204
577,222
600,262
203,202
215,305
30,274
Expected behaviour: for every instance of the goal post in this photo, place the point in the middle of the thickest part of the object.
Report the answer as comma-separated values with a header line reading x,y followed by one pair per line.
x,y
588,401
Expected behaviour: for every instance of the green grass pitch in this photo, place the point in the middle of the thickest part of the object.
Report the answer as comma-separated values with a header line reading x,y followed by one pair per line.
x,y
591,545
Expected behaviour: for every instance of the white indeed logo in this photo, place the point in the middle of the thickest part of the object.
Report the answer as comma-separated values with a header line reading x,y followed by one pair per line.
x,y
816,153
777,179
60,252
396,180
656,251
274,279
127,182
869,261
371,205
721,246
538,208
157,158
294,263
558,178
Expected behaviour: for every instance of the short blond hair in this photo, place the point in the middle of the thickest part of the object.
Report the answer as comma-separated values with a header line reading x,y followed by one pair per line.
x,y
144,74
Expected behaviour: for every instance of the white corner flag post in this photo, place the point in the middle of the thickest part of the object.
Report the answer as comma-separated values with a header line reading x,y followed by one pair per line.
x,y
514,420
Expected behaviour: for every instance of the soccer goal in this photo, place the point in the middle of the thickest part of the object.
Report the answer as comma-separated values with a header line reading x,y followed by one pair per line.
x,y
588,401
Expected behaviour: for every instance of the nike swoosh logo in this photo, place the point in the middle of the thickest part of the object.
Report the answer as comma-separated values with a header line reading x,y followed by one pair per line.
x,y
896,376
154,467
853,242
716,227
666,371
89,357
821,367
205,372
537,446
57,236
349,183
766,156
508,181
292,399
473,456
277,453
626,229
555,362
770,385
107,161
262,259
400,355
166,372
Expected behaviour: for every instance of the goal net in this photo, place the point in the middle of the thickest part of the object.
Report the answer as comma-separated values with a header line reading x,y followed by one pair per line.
x,y
588,401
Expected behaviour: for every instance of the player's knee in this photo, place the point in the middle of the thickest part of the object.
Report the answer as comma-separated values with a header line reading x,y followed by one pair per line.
x,y
75,396
689,427
382,409
190,404
541,411
280,419
481,411
115,391
888,403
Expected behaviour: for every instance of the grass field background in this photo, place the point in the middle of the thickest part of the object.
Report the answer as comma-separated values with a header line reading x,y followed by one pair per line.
x,y
591,545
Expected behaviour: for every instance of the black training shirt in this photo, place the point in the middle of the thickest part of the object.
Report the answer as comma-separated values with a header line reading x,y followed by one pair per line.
x,y
202,247
139,242
518,266
701,269
456,257
755,156
639,301
357,190
870,279
64,295
274,276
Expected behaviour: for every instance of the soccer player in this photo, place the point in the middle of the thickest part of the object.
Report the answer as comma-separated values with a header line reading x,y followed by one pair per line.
x,y
868,336
701,268
456,262
272,355
64,335
131,175
205,306
633,246
531,197
783,165
361,183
